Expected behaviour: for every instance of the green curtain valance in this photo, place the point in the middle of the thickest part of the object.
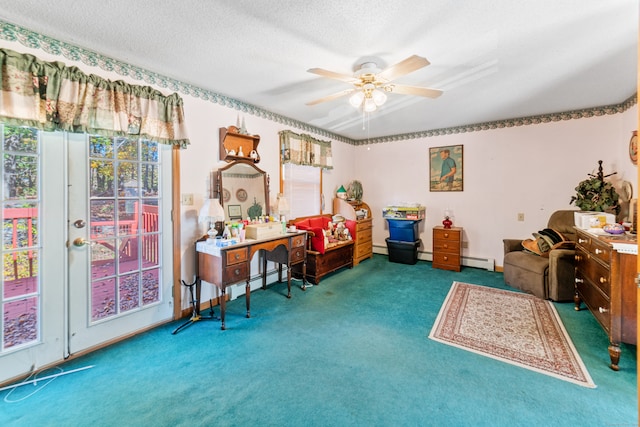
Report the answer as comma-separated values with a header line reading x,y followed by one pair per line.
x,y
303,149
51,96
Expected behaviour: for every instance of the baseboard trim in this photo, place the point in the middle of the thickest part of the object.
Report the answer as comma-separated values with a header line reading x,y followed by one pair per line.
x,y
484,263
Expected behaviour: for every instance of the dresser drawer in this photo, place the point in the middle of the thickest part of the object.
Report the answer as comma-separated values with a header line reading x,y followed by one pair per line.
x,y
446,234
597,302
601,250
364,235
363,225
235,256
363,249
593,270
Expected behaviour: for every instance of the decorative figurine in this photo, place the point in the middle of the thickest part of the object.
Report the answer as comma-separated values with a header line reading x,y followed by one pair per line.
x,y
447,223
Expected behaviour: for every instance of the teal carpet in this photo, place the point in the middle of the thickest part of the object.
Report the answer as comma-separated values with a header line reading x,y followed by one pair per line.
x,y
351,351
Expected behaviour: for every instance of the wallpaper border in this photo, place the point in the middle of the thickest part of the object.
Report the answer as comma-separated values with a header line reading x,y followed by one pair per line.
x,y
31,39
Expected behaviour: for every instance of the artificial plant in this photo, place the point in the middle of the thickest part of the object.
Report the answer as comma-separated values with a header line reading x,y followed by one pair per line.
x,y
596,194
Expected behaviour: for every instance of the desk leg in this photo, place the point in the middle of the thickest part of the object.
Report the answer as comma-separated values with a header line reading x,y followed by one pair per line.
x,y
288,280
264,271
223,306
247,291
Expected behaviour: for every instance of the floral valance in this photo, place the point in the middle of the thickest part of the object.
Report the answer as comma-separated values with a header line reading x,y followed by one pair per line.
x,y
52,96
305,150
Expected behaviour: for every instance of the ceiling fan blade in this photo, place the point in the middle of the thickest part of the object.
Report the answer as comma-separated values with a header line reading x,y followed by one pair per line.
x,y
415,90
406,66
332,75
332,97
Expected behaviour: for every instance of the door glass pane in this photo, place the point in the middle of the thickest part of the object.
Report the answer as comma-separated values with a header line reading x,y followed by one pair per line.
x,y
125,270
21,293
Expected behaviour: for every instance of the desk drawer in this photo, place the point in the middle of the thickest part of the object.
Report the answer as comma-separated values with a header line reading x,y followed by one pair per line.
x,y
236,273
297,254
235,256
298,241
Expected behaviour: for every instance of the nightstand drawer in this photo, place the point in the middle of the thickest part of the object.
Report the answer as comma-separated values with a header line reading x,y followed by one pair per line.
x,y
451,235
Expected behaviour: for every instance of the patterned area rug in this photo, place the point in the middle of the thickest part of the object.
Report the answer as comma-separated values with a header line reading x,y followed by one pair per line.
x,y
513,327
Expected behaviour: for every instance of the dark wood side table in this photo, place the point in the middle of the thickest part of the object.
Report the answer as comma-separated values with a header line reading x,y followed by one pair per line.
x,y
447,248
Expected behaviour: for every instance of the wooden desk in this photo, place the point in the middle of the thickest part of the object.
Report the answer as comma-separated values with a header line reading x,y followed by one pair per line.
x,y
228,265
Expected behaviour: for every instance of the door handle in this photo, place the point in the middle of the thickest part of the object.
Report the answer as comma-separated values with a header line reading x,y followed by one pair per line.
x,y
79,242
79,223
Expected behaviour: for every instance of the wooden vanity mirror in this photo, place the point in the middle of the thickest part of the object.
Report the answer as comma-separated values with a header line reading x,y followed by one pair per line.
x,y
243,190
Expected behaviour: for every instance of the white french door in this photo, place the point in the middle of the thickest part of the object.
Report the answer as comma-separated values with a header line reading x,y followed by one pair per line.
x,y
86,221
33,248
119,224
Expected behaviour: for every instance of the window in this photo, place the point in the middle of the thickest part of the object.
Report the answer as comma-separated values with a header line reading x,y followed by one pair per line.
x,y
302,188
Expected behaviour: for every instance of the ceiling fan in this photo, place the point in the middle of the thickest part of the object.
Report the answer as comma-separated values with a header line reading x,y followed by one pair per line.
x,y
370,83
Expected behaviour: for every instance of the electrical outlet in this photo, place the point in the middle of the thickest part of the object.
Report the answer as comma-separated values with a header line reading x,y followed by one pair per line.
x,y
521,216
187,199
465,244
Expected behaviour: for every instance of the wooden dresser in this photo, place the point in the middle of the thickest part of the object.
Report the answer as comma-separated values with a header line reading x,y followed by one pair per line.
x,y
605,272
363,248
447,248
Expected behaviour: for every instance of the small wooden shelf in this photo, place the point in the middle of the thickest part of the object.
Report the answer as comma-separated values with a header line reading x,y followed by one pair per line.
x,y
233,141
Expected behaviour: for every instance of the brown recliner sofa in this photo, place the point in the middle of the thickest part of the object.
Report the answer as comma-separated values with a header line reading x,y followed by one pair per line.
x,y
549,277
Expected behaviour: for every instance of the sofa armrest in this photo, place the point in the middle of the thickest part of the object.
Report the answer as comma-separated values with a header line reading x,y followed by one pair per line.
x,y
512,245
562,274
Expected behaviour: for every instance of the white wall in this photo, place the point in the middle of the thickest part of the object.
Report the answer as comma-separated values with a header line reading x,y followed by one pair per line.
x,y
530,169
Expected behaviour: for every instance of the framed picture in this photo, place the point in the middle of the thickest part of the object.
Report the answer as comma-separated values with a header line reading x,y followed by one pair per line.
x,y
235,212
241,195
445,168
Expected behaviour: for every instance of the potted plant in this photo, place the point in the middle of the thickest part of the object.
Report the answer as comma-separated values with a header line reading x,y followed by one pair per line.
x,y
597,195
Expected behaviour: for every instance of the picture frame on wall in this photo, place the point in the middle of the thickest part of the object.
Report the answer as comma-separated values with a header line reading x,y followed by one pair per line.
x,y
445,168
235,212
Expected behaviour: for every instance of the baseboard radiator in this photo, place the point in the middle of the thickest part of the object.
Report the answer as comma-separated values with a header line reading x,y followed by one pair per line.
x,y
484,263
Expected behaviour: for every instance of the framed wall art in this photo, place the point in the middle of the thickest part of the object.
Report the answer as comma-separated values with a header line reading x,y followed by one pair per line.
x,y
445,168
235,212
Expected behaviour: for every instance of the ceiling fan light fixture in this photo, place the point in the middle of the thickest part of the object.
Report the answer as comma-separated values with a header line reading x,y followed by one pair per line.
x,y
356,99
378,97
369,105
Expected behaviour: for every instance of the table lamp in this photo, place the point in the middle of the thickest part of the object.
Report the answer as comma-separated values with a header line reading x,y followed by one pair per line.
x,y
211,212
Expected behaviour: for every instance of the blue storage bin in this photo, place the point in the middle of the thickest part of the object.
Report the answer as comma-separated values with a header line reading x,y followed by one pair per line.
x,y
403,230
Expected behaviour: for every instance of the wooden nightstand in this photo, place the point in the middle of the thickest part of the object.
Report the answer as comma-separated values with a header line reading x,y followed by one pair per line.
x,y
447,248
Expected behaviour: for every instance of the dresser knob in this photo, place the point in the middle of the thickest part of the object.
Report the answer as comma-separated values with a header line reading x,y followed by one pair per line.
x,y
445,246
598,251
602,310
446,258
237,272
446,235
582,241
603,280
237,256
579,280
578,258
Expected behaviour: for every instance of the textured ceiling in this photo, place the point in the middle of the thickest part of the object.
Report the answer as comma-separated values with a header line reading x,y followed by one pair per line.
x,y
494,59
